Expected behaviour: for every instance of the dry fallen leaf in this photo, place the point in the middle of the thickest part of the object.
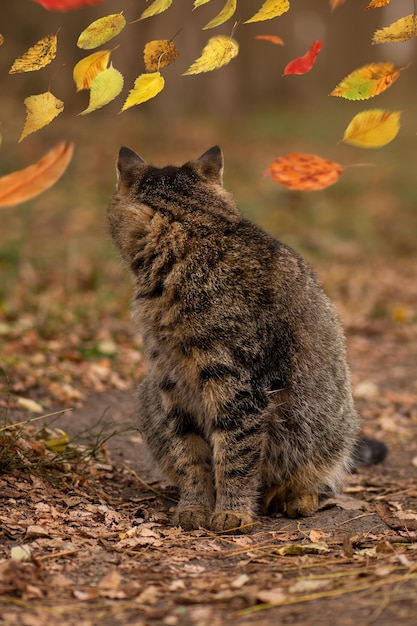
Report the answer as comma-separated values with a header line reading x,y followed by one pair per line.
x,y
41,109
159,53
25,184
305,172
217,52
39,55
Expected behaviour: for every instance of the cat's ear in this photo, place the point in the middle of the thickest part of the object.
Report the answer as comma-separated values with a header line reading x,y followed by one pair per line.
x,y
127,163
211,164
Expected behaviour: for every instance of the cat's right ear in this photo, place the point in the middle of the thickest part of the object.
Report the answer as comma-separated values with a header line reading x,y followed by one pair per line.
x,y
128,163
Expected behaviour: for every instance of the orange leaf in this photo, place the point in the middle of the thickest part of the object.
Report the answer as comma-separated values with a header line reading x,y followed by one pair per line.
x,y
272,38
305,172
375,4
303,64
25,184
337,3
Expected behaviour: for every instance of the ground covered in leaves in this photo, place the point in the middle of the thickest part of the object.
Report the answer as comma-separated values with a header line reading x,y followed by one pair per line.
x,y
85,520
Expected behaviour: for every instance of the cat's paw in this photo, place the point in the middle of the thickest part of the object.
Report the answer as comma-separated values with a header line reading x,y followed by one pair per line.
x,y
241,521
192,518
302,505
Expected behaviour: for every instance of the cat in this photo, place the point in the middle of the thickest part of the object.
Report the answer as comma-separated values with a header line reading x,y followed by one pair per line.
x,y
247,405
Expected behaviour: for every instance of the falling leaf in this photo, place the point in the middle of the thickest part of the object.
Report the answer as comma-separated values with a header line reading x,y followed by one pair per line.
x,y
302,65
367,82
226,13
305,172
104,88
402,30
66,5
146,86
375,4
217,52
101,31
199,3
269,10
158,6
88,68
1,39
271,38
39,55
373,128
25,184
40,111
334,4
159,53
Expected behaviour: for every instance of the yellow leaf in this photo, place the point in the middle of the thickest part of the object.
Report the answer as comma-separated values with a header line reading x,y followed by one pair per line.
x,y
199,3
373,128
29,405
59,443
227,11
157,6
1,39
104,88
39,55
88,68
101,31
25,184
375,4
217,52
367,82
40,111
269,10
159,53
146,86
402,30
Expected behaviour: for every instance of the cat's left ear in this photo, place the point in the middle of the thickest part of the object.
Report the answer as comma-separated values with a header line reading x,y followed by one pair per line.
x,y
128,163
211,164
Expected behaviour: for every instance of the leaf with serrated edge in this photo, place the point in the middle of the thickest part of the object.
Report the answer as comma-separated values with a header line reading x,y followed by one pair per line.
x,y
305,172
217,52
158,6
40,111
376,4
146,86
269,10
373,128
88,68
367,81
104,88
402,30
31,181
101,31
226,13
38,56
159,53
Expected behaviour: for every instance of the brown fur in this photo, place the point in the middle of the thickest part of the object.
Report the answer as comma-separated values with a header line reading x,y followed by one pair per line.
x,y
248,397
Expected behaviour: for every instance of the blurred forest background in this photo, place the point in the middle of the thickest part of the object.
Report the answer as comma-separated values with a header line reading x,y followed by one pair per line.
x,y
62,289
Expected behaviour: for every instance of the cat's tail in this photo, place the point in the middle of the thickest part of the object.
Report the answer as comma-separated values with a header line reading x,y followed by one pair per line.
x,y
368,451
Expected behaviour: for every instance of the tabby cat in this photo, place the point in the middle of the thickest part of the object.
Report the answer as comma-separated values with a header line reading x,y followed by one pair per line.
x,y
247,405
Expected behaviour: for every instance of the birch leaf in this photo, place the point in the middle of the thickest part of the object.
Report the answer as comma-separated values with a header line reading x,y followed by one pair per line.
x,y
305,172
367,81
40,111
159,53
373,128
157,6
29,182
226,13
146,86
88,68
269,10
101,31
104,88
218,51
199,3
375,4
402,30
39,55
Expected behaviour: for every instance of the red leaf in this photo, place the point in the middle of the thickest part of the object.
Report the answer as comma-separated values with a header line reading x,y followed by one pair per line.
x,y
303,64
272,38
66,5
